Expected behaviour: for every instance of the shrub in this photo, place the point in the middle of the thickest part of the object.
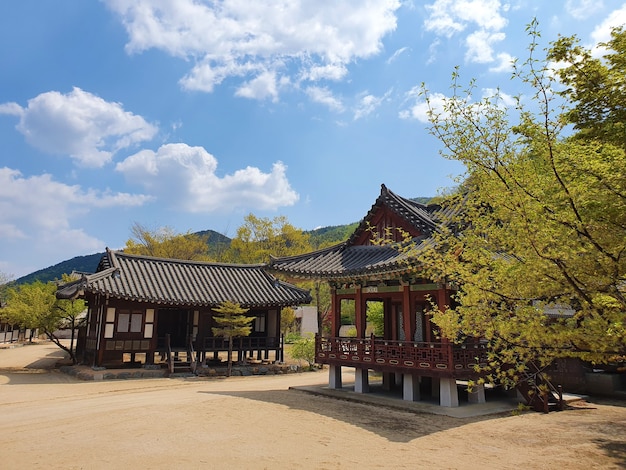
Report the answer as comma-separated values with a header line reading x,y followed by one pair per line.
x,y
304,349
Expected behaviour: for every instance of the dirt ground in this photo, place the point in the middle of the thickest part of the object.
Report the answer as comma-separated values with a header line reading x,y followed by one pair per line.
x,y
51,420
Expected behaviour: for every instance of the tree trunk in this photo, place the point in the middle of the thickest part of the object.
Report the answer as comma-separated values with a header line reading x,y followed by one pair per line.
x,y
230,356
56,341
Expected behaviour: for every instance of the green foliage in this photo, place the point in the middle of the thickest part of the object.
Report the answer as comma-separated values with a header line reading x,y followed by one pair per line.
x,y
164,242
539,221
291,338
35,306
351,332
287,319
595,86
328,236
232,323
259,238
348,315
376,317
304,350
83,264
5,283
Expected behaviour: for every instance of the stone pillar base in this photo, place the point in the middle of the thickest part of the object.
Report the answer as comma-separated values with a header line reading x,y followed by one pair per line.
x,y
334,377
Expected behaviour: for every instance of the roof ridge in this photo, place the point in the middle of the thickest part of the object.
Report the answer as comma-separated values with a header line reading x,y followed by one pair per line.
x,y
121,253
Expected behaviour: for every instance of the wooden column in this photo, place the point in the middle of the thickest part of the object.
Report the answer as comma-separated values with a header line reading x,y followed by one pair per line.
x,y
335,321
407,314
359,313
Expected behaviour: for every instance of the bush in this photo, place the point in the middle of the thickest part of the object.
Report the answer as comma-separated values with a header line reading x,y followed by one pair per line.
x,y
304,349
291,338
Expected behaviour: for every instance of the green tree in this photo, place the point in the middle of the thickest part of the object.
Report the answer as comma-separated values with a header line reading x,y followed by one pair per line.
x,y
304,349
164,242
287,320
539,221
375,314
595,86
5,283
35,306
232,323
259,238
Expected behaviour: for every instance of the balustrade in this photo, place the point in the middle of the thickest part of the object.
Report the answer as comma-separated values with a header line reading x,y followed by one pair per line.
x,y
377,353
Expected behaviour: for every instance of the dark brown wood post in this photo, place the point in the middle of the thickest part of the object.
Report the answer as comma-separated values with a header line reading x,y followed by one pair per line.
x,y
334,323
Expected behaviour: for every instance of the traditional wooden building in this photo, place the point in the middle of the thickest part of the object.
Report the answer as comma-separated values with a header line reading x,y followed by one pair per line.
x,y
410,354
142,309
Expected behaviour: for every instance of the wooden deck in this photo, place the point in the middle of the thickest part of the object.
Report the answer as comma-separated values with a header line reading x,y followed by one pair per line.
x,y
430,359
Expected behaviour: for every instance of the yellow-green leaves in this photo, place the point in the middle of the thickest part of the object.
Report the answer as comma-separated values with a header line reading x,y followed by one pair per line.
x,y
538,249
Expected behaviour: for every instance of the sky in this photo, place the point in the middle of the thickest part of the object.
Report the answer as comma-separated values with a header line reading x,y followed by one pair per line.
x,y
192,114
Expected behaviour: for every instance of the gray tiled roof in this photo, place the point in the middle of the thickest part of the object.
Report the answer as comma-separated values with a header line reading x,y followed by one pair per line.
x,y
420,216
185,283
347,260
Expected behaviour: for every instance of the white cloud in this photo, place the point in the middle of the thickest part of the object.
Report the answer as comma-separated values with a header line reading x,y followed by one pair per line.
x,y
480,46
602,32
333,72
185,178
397,54
324,96
304,39
583,9
84,126
504,63
13,109
448,17
369,103
37,215
419,109
483,17
261,87
499,97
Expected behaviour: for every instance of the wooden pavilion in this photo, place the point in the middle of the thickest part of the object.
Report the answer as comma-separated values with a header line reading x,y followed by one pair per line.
x,y
410,354
142,309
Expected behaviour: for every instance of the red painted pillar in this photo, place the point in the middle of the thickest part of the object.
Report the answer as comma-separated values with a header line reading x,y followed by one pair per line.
x,y
359,313
408,314
334,313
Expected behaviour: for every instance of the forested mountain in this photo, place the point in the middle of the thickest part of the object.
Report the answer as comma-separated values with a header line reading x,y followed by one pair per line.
x,y
217,243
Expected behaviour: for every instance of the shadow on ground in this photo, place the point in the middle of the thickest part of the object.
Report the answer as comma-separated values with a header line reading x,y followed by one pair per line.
x,y
390,423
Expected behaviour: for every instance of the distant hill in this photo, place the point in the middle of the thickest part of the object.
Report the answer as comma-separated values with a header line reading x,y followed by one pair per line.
x,y
217,242
83,264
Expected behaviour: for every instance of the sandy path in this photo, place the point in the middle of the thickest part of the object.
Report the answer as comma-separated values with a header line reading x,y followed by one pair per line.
x,y
49,420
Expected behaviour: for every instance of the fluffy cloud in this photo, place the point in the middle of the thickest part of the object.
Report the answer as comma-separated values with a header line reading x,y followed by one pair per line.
x,y
581,9
185,177
37,214
79,124
602,32
324,96
293,41
419,108
449,17
369,103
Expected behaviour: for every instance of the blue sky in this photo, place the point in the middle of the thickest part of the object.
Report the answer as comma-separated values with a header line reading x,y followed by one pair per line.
x,y
192,114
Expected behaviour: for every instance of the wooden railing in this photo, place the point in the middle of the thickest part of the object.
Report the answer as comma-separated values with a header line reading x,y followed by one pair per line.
x,y
192,357
169,358
377,353
539,392
249,343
